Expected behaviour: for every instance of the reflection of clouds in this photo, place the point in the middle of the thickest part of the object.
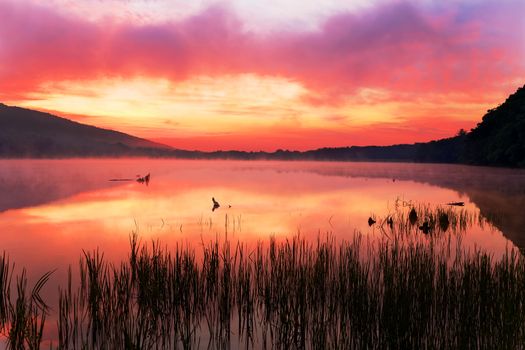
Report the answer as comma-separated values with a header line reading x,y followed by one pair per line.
x,y
272,197
80,210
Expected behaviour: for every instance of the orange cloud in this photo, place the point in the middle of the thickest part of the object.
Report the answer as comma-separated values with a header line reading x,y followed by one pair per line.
x,y
402,55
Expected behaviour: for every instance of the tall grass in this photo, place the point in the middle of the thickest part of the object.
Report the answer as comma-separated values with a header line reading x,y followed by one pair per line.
x,y
299,294
22,312
5,287
406,291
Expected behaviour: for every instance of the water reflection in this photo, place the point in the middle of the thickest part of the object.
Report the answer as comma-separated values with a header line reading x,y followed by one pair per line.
x,y
51,210
70,205
498,193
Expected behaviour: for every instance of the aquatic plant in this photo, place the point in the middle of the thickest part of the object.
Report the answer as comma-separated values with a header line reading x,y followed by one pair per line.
x,y
298,294
23,312
406,290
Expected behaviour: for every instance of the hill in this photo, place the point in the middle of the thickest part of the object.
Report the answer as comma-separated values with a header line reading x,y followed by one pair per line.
x,y
29,133
499,139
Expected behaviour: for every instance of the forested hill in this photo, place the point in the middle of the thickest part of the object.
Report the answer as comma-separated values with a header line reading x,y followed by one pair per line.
x,y
29,133
499,139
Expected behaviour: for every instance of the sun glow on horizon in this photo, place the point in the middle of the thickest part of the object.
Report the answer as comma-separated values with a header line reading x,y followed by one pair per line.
x,y
234,108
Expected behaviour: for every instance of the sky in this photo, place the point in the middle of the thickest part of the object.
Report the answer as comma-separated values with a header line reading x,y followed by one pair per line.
x,y
264,75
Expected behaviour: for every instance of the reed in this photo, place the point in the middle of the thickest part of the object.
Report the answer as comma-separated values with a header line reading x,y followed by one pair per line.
x,y
407,290
299,294
5,287
23,312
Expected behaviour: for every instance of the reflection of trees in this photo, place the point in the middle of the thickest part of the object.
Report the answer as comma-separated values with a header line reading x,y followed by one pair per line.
x,y
498,193
506,212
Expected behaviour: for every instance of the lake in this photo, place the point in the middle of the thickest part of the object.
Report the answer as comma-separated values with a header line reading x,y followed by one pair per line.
x,y
53,210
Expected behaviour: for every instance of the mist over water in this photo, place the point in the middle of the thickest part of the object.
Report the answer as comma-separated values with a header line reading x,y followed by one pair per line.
x,y
53,210
70,205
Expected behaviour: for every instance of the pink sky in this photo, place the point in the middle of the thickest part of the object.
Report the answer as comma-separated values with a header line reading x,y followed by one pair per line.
x,y
264,75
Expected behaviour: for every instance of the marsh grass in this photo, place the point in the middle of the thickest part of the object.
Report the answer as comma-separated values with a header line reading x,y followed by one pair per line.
x,y
404,291
5,287
22,311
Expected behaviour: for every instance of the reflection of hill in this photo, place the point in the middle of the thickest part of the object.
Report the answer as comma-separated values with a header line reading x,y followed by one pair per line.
x,y
25,184
506,212
498,193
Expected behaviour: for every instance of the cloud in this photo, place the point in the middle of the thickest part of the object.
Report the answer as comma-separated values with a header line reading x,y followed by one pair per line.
x,y
399,47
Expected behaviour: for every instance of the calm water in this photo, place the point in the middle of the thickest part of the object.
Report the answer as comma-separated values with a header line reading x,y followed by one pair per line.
x,y
51,210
